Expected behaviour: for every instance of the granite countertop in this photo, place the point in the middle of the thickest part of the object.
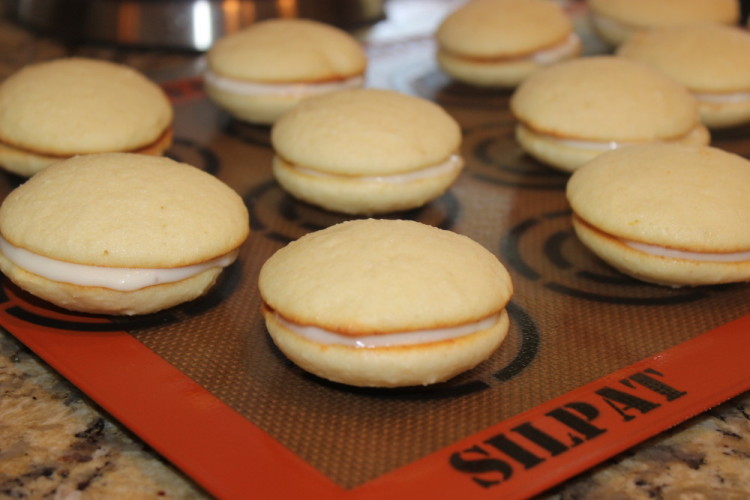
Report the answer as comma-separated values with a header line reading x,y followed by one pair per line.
x,y
56,443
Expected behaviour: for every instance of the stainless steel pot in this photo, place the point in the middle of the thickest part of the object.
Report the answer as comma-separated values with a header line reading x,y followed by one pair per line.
x,y
177,24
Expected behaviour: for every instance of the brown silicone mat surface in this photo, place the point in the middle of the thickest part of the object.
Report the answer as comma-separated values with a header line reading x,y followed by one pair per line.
x,y
573,319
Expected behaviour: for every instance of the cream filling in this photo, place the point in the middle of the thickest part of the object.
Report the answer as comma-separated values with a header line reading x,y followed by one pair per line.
x,y
672,253
414,337
295,90
567,48
731,98
591,145
453,163
607,145
116,278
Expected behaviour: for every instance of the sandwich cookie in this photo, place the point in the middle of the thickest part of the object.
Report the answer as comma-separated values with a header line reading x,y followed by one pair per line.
x,y
574,111
667,214
615,20
498,43
711,60
385,303
262,71
366,151
120,233
53,110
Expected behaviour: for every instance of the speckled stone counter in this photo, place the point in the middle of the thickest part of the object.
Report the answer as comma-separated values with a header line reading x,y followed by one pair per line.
x,y
55,443
704,458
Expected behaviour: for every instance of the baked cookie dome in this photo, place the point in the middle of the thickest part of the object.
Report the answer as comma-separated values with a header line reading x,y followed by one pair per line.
x,y
54,110
120,233
385,303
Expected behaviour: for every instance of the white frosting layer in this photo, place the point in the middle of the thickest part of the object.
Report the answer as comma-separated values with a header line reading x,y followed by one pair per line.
x,y
722,98
610,145
593,145
322,336
453,163
294,90
567,48
682,254
115,278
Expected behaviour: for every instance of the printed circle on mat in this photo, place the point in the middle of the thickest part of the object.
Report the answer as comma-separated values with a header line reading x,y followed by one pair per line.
x,y
199,156
256,135
493,156
280,217
545,249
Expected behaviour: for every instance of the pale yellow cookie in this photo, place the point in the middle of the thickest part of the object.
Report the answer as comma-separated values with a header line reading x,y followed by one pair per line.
x,y
54,110
385,303
366,151
262,71
665,213
120,233
575,110
498,43
616,20
710,59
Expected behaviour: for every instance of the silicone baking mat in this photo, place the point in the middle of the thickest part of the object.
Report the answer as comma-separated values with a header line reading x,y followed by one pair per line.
x,y
594,363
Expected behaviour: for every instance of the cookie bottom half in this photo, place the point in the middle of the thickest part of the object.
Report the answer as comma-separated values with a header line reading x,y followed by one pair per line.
x,y
566,156
490,74
27,163
718,115
259,109
396,366
98,300
361,197
657,269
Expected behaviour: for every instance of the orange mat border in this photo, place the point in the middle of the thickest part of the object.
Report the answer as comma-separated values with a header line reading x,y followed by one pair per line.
x,y
521,456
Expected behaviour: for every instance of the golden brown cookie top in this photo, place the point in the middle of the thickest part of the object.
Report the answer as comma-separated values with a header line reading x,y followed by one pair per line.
x,y
368,277
651,13
366,132
77,106
681,197
124,210
288,50
605,98
705,57
503,28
